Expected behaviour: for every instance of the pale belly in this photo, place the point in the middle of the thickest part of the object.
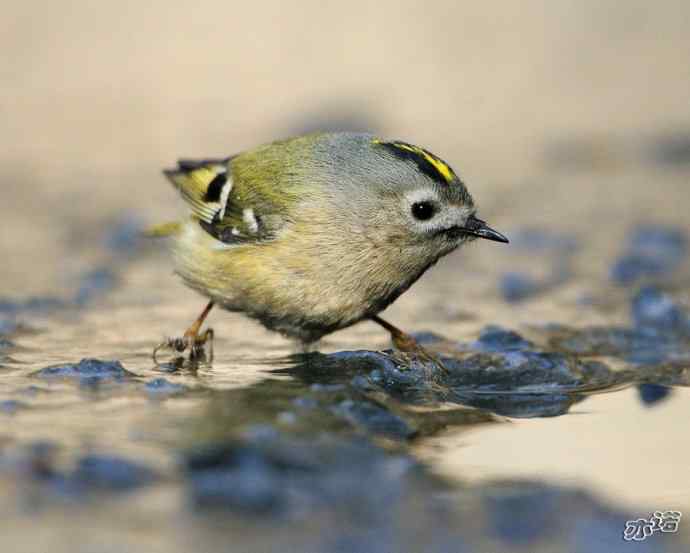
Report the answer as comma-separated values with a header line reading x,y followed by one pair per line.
x,y
300,297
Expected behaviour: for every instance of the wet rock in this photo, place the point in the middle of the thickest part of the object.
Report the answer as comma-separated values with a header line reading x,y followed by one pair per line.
x,y
526,371
9,309
521,515
8,306
516,286
4,342
632,267
8,325
519,286
666,374
13,313
363,370
507,377
286,418
660,333
43,303
91,474
238,476
87,371
374,419
37,461
125,235
11,406
278,476
160,388
521,405
405,377
95,283
307,403
496,338
110,473
652,308
533,516
639,346
653,251
651,394
356,361
326,388
556,249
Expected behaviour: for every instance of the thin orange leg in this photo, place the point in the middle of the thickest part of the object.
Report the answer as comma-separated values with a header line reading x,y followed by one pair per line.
x,y
406,343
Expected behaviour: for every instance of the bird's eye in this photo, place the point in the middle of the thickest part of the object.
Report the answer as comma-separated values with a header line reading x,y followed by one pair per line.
x,y
423,211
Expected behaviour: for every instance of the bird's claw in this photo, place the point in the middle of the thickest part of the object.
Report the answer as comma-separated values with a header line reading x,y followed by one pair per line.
x,y
194,342
406,344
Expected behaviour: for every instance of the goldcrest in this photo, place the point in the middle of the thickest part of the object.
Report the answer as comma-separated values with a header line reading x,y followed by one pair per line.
x,y
313,234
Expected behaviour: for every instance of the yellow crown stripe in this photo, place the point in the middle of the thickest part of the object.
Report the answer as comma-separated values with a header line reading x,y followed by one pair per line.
x,y
439,165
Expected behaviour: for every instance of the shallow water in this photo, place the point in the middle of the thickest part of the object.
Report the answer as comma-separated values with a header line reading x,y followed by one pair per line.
x,y
561,415
563,412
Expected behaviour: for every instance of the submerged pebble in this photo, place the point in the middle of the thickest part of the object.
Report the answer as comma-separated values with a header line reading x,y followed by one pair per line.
x,y
505,374
125,235
653,251
110,473
521,405
279,476
11,311
88,474
660,332
4,342
557,249
652,308
496,338
87,371
533,516
516,286
526,370
651,394
8,324
383,501
637,346
374,419
160,387
11,406
95,283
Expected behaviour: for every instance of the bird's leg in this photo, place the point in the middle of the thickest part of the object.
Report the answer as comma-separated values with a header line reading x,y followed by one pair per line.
x,y
191,339
407,344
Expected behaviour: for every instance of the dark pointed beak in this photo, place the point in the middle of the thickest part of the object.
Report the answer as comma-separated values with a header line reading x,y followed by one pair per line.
x,y
479,228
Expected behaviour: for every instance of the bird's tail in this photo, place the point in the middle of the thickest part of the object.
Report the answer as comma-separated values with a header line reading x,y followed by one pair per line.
x,y
202,184
163,230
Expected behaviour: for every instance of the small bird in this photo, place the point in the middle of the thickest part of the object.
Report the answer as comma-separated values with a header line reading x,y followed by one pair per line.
x,y
315,233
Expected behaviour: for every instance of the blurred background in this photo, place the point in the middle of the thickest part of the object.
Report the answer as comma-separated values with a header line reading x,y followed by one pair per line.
x,y
98,96
571,117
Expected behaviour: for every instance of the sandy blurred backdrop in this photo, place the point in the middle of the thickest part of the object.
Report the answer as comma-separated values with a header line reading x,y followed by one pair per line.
x,y
570,115
96,97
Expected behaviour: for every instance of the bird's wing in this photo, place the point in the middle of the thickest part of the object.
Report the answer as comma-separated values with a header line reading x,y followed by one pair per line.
x,y
232,208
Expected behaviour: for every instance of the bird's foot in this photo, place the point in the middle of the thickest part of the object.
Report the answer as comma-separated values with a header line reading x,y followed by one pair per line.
x,y
415,352
192,341
407,345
